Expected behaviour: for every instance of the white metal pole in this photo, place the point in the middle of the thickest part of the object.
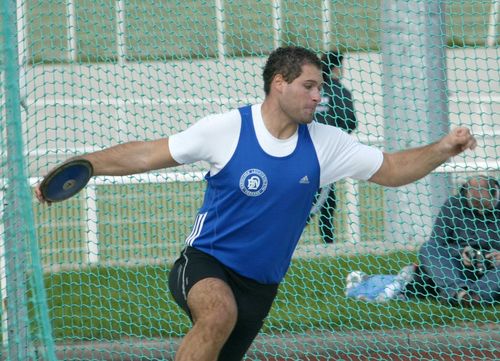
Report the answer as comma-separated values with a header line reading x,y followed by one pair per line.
x,y
220,18
120,31
325,24
491,40
71,31
353,210
92,239
277,23
22,31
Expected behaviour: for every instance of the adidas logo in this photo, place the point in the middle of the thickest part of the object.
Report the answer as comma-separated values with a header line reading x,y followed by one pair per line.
x,y
304,180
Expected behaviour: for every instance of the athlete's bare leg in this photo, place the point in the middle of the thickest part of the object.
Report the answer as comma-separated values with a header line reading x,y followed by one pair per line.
x,y
214,312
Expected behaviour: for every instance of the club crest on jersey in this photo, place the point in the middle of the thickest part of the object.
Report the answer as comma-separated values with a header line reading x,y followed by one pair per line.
x,y
253,182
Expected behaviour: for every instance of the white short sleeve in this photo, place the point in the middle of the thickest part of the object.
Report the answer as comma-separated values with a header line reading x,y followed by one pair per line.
x,y
341,156
212,139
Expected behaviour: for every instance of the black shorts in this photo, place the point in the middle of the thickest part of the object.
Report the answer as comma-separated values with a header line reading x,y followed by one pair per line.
x,y
253,299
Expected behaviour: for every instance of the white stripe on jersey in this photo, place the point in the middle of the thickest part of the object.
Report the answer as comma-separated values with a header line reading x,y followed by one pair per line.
x,y
198,225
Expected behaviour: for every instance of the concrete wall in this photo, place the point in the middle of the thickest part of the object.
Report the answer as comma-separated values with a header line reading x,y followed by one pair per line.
x,y
85,107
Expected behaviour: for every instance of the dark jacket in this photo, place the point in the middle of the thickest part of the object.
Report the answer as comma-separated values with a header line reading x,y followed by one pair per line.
x,y
457,226
336,107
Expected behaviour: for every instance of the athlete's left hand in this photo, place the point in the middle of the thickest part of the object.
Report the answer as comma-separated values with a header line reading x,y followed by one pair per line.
x,y
457,141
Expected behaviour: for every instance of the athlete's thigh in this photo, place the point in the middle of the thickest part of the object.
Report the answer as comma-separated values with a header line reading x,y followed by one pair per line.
x,y
205,275
212,298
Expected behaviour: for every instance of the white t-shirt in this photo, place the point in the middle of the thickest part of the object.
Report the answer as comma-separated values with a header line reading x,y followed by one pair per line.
x,y
214,139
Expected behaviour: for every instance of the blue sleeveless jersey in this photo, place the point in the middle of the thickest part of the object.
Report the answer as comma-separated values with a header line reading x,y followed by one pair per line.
x,y
256,207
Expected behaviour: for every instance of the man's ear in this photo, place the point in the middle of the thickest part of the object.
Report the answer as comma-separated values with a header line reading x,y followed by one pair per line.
x,y
278,83
494,188
337,71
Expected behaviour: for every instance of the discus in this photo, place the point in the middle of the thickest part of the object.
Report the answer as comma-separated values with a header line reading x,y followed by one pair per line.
x,y
66,180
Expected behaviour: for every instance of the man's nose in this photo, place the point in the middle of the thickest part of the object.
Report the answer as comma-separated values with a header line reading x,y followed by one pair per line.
x,y
316,96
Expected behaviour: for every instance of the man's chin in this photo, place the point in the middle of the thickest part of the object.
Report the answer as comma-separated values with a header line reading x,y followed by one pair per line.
x,y
309,116
307,120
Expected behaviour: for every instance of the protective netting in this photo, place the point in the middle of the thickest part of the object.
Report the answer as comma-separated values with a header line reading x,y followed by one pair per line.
x,y
86,279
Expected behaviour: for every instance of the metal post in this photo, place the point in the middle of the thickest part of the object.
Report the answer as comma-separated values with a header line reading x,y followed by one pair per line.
x,y
415,108
120,31
277,23
220,18
71,30
14,240
491,40
325,24
92,241
353,220
3,275
17,214
22,31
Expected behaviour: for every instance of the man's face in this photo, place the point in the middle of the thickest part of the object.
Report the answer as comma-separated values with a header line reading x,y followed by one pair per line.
x,y
480,197
336,72
299,98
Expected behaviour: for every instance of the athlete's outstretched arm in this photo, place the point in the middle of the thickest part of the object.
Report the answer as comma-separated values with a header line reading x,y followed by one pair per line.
x,y
127,158
409,165
131,158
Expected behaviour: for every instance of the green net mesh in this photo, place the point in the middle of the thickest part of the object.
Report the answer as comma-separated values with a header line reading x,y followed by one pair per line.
x,y
86,279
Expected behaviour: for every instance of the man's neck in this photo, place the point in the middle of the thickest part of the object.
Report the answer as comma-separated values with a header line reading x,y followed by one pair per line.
x,y
278,124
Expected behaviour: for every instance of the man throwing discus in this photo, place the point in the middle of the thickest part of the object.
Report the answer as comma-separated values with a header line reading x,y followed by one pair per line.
x,y
267,162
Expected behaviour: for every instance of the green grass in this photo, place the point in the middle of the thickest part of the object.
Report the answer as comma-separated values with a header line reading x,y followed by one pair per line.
x,y
110,303
316,287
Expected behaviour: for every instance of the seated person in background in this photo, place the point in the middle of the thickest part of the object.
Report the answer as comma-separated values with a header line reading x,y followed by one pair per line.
x,y
460,262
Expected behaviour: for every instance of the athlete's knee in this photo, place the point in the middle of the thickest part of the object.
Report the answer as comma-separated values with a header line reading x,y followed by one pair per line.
x,y
218,324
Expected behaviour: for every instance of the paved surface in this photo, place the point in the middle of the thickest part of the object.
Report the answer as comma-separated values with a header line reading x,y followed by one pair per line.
x,y
457,343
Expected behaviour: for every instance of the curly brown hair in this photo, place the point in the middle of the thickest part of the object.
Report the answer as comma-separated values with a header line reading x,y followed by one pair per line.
x,y
288,62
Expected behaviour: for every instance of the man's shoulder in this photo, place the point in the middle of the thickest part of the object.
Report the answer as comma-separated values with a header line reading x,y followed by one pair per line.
x,y
328,135
229,114
455,200
234,114
345,94
457,203
218,120
328,129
